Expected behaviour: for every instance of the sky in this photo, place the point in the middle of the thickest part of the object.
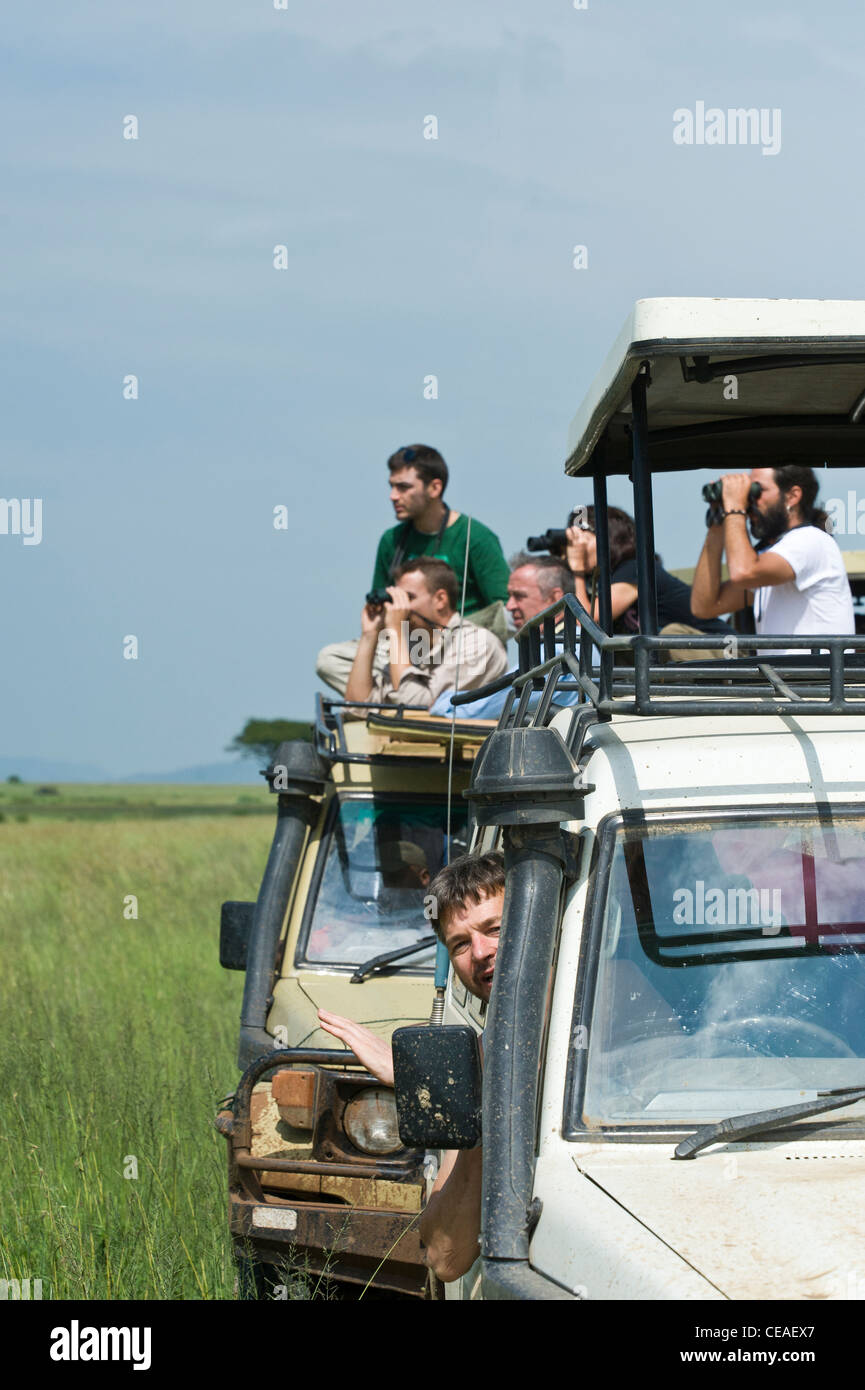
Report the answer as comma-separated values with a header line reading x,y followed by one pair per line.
x,y
261,387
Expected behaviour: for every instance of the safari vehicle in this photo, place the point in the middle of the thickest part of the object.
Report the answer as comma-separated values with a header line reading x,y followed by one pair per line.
x,y
319,1181
673,1101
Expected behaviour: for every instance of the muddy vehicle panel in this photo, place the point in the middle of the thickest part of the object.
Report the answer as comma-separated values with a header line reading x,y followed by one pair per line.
x,y
320,1185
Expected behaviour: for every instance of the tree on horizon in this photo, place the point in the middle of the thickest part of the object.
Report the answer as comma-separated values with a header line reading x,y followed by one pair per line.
x,y
260,738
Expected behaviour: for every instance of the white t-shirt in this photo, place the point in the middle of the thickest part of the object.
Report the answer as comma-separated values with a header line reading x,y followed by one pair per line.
x,y
817,599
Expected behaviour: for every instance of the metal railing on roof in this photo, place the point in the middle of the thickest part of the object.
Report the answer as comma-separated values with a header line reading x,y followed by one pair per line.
x,y
332,743
564,651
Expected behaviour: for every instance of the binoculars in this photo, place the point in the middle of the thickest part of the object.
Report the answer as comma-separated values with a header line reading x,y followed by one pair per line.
x,y
553,540
712,495
712,492
377,597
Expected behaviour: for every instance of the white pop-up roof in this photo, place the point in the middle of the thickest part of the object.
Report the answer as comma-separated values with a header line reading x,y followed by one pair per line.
x,y
708,407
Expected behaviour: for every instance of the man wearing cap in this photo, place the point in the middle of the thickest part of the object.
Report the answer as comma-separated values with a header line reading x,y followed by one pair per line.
x,y
403,864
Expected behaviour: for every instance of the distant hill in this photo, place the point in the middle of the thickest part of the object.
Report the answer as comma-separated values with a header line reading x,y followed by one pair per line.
x,y
50,770
244,771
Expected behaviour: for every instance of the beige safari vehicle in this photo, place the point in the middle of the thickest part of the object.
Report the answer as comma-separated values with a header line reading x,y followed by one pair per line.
x,y
673,1092
320,1184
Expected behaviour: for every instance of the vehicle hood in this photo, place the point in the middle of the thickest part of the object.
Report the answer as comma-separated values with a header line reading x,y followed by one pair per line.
x,y
758,1220
382,1004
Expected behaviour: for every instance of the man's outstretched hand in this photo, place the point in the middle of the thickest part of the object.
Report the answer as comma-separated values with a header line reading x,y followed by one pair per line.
x,y
367,1047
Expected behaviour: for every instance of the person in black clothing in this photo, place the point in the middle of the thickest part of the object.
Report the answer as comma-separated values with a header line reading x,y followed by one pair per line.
x,y
674,596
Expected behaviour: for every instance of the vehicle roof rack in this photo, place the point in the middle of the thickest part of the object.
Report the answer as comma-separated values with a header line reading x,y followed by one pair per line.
x,y
404,731
826,675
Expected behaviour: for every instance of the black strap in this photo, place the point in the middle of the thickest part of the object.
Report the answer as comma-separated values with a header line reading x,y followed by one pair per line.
x,y
402,540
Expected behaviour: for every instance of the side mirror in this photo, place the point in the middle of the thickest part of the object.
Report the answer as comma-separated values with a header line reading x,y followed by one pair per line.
x,y
235,924
438,1084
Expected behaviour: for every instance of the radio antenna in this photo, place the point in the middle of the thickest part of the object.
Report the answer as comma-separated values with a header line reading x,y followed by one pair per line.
x,y
442,961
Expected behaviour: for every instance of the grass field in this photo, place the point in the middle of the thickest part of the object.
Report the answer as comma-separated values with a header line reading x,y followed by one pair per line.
x,y
102,801
119,1038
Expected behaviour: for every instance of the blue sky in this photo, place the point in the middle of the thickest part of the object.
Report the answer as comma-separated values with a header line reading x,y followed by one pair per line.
x,y
406,256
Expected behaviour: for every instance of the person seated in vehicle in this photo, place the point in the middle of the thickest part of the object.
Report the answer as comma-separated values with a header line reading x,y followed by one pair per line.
x,y
403,865
676,612
343,925
794,577
428,647
469,897
536,582
427,527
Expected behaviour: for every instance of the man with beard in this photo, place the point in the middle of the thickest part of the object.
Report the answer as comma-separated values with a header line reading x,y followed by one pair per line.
x,y
428,648
469,897
794,577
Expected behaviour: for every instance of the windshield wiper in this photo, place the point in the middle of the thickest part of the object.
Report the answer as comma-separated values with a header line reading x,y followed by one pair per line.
x,y
741,1126
378,962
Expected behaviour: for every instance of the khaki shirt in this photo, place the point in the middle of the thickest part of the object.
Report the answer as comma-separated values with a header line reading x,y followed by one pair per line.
x,y
458,657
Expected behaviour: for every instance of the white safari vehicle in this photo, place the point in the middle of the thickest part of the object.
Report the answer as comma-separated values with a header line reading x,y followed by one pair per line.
x,y
674,1051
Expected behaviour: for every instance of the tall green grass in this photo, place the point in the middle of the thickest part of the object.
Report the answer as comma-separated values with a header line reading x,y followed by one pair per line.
x,y
23,801
117,1040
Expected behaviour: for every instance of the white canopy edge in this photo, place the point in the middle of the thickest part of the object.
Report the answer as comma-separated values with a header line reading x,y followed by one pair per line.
x,y
663,327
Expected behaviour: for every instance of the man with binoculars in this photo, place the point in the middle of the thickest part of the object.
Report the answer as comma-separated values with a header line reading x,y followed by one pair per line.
x,y
794,577
427,647
428,527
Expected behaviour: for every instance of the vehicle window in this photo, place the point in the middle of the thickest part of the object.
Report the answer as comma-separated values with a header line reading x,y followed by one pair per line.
x,y
731,974
379,859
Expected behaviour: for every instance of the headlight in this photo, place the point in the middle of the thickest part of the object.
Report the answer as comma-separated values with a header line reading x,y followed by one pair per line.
x,y
370,1121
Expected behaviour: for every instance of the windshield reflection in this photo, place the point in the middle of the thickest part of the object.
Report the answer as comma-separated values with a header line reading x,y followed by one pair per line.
x,y
731,974
380,858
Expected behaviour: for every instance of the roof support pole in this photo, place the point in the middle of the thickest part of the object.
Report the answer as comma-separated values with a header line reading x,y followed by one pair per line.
x,y
602,537
647,598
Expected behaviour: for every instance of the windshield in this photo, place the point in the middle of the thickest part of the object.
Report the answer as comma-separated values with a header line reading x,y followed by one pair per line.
x,y
731,974
375,866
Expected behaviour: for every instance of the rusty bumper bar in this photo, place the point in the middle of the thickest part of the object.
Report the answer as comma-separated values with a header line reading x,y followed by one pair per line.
x,y
352,1244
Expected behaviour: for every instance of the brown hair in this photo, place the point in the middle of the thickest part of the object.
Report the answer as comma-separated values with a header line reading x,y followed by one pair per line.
x,y
469,879
426,461
437,575
622,532
798,475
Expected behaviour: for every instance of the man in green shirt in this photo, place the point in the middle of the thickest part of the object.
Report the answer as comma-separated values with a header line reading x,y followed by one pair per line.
x,y
426,525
